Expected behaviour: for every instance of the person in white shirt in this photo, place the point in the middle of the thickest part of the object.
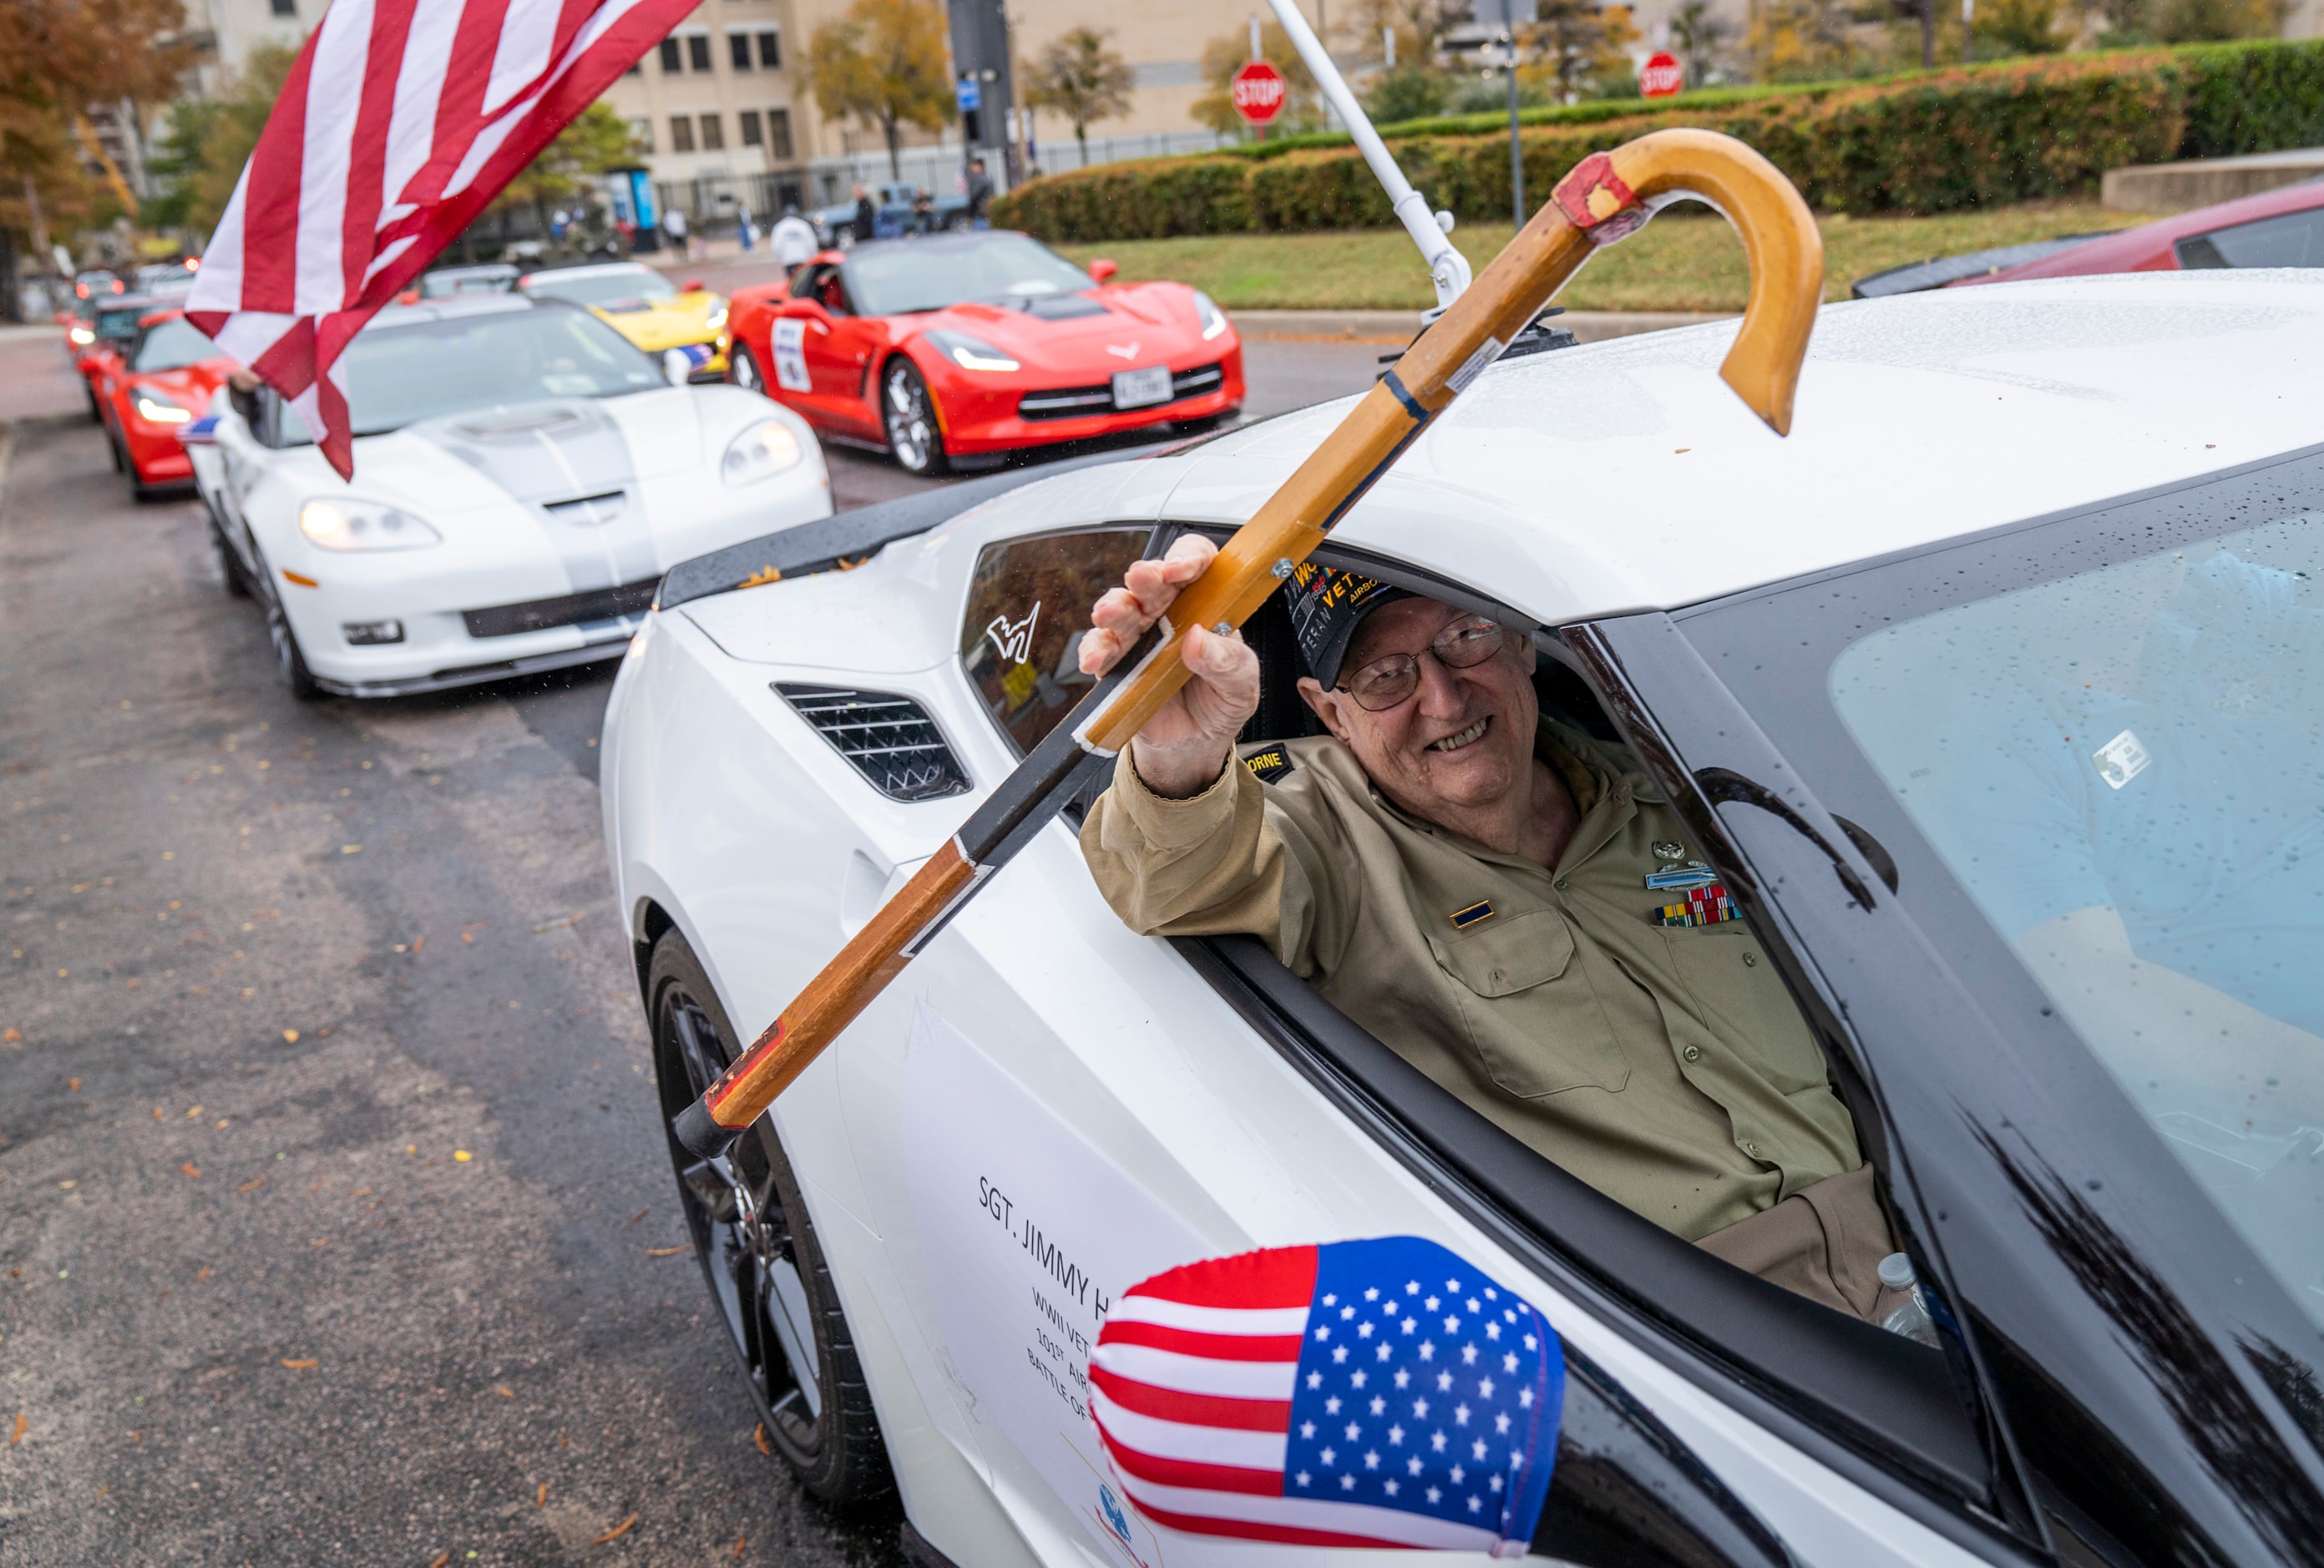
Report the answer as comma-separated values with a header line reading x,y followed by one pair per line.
x,y
793,240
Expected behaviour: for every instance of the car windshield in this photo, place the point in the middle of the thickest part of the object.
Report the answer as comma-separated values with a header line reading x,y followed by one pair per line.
x,y
2116,753
627,286
400,376
437,285
897,279
115,323
172,345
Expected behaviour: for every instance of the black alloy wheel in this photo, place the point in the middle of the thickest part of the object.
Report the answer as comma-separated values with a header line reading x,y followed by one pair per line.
x,y
287,657
89,393
912,419
758,1250
743,370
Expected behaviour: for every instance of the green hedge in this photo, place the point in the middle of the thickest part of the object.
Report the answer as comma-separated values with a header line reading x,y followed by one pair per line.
x,y
1927,142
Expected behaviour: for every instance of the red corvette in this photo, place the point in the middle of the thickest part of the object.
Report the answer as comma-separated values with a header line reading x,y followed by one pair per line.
x,y
150,388
949,349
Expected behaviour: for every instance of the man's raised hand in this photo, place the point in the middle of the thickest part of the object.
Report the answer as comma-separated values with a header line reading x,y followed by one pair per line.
x,y
1183,748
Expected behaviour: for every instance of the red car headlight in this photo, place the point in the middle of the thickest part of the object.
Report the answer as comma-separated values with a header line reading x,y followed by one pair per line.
x,y
971,353
155,409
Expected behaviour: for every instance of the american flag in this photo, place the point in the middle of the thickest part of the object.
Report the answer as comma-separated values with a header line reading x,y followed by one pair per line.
x,y
402,119
1375,1393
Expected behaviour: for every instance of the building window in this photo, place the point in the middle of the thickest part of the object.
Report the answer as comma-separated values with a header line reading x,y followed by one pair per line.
x,y
714,134
637,70
779,135
681,134
697,53
642,133
770,50
284,7
752,134
738,50
670,63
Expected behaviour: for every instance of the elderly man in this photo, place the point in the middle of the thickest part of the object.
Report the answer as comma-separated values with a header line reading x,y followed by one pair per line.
x,y
1506,903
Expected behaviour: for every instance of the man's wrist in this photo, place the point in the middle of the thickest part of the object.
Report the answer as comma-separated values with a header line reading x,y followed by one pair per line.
x,y
1178,773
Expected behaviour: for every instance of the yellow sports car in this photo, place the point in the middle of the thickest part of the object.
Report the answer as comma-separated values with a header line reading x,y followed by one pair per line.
x,y
643,307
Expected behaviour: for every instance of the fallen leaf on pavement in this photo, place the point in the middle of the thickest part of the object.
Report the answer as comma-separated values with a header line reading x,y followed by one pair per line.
x,y
11,1036
300,1366
760,1437
640,1214
351,849
196,1111
541,1498
462,1156
72,1085
290,1037
665,1252
204,1274
738,1547
157,1113
17,1436
191,1169
248,1186
419,943
558,925
504,1390
618,1530
439,1562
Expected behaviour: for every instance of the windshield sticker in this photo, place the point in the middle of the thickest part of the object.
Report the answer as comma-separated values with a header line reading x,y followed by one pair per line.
x,y
790,354
2121,759
1029,1233
1013,640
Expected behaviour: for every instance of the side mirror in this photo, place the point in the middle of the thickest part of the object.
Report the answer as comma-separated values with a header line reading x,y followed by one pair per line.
x,y
692,286
1103,270
676,367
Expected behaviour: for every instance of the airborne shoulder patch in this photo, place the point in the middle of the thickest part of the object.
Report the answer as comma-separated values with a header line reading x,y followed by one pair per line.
x,y
1269,766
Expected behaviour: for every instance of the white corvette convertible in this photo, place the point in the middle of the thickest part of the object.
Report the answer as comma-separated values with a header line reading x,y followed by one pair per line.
x,y
523,478
1995,696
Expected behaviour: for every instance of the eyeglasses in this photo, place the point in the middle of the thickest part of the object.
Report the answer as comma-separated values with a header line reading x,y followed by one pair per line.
x,y
1385,683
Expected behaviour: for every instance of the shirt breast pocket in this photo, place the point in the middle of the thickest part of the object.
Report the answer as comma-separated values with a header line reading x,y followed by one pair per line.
x,y
1739,995
1529,1007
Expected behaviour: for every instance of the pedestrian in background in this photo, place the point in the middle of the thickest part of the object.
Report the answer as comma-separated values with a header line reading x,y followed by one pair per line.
x,y
793,239
924,211
673,224
745,230
980,193
867,215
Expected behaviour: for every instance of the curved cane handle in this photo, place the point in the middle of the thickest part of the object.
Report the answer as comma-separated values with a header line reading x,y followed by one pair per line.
x,y
1608,196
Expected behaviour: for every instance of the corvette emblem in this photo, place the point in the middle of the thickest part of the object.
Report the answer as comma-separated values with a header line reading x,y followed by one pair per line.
x,y
1121,351
1015,641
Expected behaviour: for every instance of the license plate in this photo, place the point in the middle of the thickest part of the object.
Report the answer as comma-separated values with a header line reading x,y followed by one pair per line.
x,y
1137,389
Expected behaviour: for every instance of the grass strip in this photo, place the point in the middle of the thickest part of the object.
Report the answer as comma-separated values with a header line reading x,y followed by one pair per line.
x,y
1685,260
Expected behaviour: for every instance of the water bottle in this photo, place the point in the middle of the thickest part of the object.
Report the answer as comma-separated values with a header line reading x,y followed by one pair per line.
x,y
1912,1319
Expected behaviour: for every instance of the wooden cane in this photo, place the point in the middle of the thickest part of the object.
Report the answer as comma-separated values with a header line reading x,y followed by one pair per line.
x,y
1606,198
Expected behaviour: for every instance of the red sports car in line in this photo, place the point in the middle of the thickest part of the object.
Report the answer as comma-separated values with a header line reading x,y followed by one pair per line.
x,y
2283,227
150,388
950,350
100,325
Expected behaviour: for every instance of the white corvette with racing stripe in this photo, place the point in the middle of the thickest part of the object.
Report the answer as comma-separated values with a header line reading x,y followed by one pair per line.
x,y
523,478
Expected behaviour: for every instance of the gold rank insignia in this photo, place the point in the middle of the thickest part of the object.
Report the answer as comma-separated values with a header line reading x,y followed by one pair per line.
x,y
1476,914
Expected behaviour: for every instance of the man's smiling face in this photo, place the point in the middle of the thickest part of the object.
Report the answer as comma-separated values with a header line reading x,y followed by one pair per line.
x,y
1462,742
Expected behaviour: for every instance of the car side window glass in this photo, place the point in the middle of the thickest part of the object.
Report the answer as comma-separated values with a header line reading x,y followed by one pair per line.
x,y
1028,604
833,292
808,283
2295,239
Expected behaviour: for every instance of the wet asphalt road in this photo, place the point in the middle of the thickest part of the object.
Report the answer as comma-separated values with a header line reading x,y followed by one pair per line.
x,y
335,1225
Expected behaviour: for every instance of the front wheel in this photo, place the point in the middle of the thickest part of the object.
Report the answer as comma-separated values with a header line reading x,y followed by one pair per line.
x,y
911,420
759,1252
288,658
743,370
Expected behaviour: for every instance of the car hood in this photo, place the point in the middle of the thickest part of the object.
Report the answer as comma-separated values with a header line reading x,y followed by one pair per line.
x,y
1092,328
541,454
654,324
189,386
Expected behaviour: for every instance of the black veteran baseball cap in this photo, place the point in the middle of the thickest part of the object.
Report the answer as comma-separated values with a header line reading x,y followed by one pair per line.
x,y
1327,605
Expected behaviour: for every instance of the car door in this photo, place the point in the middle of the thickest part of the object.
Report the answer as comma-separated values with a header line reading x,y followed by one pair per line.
x,y
826,351
1048,1109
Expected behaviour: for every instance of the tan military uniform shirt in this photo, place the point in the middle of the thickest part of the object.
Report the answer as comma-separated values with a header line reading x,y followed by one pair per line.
x,y
1667,1067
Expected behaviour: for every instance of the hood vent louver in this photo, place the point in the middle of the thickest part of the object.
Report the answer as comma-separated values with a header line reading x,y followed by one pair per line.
x,y
891,739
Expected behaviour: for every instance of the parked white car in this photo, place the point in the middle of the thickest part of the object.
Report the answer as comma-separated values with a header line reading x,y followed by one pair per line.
x,y
523,478
2020,632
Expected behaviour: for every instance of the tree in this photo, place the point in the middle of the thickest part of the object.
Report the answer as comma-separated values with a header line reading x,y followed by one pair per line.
x,y
596,140
883,64
1699,40
1801,40
2020,27
1078,77
202,151
1575,43
2200,21
1302,105
1419,25
1409,92
57,58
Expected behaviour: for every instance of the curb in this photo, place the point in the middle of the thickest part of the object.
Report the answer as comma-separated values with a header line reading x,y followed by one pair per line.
x,y
1395,327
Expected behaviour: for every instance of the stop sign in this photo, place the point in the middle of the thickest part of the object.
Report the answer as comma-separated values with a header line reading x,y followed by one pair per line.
x,y
1661,76
1257,92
